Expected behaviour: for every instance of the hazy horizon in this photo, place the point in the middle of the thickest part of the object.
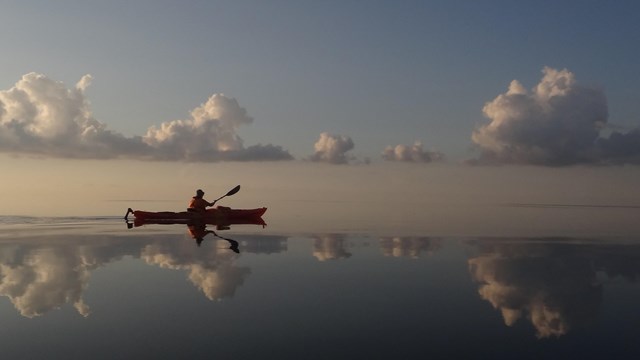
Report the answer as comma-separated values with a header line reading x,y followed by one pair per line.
x,y
442,199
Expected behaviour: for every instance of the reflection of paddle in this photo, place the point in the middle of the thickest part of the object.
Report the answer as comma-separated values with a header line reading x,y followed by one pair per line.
x,y
231,192
234,244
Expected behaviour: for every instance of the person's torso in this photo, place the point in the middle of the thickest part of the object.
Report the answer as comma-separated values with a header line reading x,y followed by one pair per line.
x,y
198,203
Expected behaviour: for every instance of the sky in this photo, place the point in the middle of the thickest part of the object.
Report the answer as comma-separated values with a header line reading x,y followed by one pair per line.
x,y
549,84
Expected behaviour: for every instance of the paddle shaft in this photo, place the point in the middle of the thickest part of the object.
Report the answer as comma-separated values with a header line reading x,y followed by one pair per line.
x,y
231,192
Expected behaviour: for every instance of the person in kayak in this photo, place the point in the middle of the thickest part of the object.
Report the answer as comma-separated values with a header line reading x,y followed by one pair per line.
x,y
198,203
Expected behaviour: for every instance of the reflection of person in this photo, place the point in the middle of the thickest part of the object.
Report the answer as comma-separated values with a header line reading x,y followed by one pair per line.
x,y
199,230
198,203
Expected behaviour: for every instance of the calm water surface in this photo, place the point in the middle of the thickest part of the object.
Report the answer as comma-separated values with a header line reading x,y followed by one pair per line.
x,y
91,288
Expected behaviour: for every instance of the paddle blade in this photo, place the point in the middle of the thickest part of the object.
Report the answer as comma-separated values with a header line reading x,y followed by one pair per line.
x,y
233,191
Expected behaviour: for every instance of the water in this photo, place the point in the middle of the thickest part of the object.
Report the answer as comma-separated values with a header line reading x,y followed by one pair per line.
x,y
91,288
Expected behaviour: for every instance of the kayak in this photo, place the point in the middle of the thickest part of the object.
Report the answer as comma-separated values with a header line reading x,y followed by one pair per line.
x,y
220,215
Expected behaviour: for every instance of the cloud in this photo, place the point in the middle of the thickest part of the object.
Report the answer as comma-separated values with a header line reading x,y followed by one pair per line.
x,y
43,117
556,123
559,122
332,149
410,153
210,135
620,148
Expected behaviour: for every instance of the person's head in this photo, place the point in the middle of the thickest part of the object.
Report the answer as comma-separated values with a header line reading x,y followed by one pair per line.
x,y
199,193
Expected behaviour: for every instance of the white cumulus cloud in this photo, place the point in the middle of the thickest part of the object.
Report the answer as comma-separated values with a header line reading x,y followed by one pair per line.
x,y
41,116
556,123
209,135
331,148
559,122
410,153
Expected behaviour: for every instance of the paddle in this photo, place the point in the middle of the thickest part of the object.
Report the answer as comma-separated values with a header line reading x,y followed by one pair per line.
x,y
231,192
234,244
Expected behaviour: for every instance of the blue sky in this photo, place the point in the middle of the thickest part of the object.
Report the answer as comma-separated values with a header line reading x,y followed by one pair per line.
x,y
379,72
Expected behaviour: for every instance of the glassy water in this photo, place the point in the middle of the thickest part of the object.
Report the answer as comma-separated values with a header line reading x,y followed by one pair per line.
x,y
91,288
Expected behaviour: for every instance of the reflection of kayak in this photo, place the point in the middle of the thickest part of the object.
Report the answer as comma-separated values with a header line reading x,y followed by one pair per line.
x,y
217,216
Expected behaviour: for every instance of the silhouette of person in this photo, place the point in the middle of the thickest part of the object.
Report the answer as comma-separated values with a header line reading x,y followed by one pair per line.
x,y
199,230
198,203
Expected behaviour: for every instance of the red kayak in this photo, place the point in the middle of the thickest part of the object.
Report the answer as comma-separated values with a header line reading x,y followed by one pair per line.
x,y
220,215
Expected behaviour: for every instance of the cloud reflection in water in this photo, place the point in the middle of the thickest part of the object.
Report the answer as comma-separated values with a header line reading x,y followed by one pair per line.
x,y
557,285
409,246
41,274
38,280
210,269
554,284
330,247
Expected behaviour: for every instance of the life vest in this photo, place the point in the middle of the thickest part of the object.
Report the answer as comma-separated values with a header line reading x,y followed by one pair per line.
x,y
198,204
